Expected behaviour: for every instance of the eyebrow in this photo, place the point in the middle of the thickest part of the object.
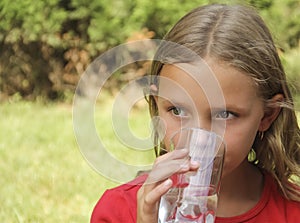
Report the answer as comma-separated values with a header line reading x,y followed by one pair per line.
x,y
231,107
166,101
173,101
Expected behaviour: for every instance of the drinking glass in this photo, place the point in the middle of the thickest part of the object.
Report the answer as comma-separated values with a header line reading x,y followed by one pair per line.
x,y
194,195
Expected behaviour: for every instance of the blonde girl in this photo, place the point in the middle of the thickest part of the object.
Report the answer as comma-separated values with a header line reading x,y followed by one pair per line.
x,y
261,171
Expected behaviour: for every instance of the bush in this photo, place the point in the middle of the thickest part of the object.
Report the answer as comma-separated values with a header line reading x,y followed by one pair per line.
x,y
292,67
46,45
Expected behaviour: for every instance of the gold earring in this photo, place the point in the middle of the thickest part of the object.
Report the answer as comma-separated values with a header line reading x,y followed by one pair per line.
x,y
261,135
252,155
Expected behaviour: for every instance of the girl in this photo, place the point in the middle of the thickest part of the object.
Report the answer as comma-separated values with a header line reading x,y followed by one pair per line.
x,y
261,169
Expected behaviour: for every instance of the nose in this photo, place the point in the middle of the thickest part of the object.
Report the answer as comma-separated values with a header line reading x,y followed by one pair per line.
x,y
206,122
199,121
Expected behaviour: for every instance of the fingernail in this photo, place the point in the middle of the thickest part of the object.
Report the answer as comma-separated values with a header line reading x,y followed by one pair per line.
x,y
184,151
168,183
184,166
194,163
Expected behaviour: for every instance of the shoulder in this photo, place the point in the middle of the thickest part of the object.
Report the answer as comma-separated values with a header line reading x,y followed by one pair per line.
x,y
288,210
118,204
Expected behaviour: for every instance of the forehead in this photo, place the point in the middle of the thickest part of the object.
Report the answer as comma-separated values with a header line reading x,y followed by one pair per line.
x,y
212,81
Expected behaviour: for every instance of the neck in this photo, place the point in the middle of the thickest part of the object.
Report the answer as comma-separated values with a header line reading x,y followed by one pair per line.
x,y
240,190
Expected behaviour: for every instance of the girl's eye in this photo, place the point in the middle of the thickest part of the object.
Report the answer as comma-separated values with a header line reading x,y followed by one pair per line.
x,y
177,111
225,115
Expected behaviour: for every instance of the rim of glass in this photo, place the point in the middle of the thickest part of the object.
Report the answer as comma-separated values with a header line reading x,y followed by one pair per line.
x,y
191,129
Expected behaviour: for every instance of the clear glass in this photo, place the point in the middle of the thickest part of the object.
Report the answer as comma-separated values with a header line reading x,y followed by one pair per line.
x,y
194,196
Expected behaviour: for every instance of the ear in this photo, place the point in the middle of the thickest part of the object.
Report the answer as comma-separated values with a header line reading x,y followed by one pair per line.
x,y
271,113
154,90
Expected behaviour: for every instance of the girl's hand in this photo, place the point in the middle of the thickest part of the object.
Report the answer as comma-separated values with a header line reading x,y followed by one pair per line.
x,y
158,183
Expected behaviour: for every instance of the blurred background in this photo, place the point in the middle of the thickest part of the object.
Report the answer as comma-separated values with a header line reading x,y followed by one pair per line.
x,y
45,46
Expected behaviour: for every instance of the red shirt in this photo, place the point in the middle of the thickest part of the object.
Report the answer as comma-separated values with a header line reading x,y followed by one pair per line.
x,y
120,205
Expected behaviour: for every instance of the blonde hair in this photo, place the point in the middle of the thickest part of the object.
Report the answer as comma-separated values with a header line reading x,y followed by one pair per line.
x,y
237,35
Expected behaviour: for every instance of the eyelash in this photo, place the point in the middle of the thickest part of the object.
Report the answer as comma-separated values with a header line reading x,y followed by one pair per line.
x,y
217,115
228,113
172,109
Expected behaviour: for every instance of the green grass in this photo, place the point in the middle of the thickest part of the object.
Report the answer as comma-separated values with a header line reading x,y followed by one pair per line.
x,y
44,177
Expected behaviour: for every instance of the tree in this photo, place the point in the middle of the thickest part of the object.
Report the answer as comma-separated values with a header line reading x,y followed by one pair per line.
x,y
46,45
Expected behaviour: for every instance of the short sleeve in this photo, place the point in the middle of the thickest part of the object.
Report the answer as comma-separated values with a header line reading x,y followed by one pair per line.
x,y
293,211
112,207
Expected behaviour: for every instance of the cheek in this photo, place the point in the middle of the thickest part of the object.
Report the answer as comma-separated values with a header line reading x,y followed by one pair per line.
x,y
167,128
170,131
166,143
238,145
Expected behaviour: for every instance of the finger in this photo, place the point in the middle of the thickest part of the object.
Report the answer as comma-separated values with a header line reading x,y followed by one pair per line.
x,y
176,154
154,195
170,163
147,201
194,165
155,190
164,170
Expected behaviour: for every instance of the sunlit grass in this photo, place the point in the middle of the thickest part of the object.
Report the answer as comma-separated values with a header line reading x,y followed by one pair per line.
x,y
136,123
44,177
